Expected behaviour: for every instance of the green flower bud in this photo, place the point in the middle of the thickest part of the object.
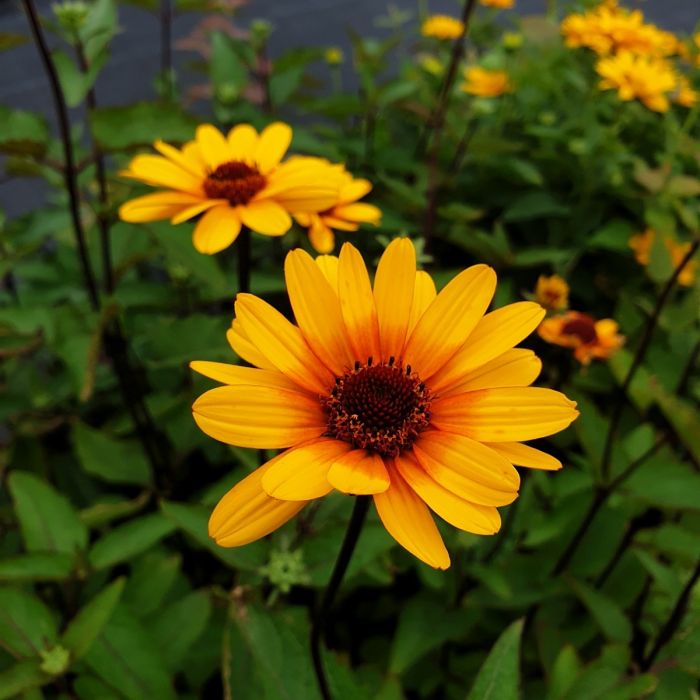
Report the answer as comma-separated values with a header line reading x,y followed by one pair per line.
x,y
71,15
286,569
333,56
55,661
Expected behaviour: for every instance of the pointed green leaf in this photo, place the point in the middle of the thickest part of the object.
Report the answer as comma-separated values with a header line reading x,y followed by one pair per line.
x,y
26,625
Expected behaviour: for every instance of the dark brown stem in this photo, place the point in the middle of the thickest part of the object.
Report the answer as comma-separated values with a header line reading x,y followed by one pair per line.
x,y
639,358
437,123
69,172
461,149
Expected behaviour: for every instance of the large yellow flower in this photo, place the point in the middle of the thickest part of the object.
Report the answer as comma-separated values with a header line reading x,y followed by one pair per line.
x,y
346,214
442,27
485,83
389,390
232,180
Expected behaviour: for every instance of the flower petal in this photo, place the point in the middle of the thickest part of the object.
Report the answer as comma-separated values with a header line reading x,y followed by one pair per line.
x,y
243,140
317,311
525,456
281,343
183,159
495,333
156,206
241,345
259,416
471,517
216,230
359,212
408,520
161,172
467,468
301,473
320,236
328,264
195,209
236,375
266,217
359,473
424,293
357,304
393,295
448,321
504,415
354,190
272,145
246,513
213,146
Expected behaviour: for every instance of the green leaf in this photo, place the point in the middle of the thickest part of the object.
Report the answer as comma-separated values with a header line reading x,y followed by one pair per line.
x,y
27,626
40,566
130,539
227,70
21,677
499,675
22,133
86,626
614,236
641,388
284,84
74,82
9,40
606,612
140,124
564,673
99,28
534,205
116,461
683,416
152,577
46,518
677,489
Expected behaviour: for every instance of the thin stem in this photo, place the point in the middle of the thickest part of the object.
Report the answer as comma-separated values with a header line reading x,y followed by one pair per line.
x,y
639,358
674,621
69,172
437,122
357,520
243,245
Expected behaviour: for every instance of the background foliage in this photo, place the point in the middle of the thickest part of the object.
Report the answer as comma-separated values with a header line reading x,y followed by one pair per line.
x,y
109,585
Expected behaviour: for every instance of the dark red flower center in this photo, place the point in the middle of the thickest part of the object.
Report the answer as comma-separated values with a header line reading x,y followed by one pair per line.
x,y
236,181
583,327
381,408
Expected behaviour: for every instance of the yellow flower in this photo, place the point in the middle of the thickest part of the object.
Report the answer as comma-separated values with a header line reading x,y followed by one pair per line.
x,y
641,244
389,390
501,4
643,78
486,83
234,180
431,64
333,56
686,95
442,27
552,292
346,214
587,337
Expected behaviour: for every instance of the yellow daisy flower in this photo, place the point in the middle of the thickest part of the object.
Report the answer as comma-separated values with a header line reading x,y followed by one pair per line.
x,y
232,180
346,214
442,27
500,4
641,244
389,390
644,78
686,95
587,337
552,292
486,83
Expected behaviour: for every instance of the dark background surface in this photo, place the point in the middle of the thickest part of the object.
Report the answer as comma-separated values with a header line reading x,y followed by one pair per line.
x,y
128,76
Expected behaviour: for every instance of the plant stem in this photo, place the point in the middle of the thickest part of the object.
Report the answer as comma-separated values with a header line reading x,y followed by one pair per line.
x,y
244,260
320,620
69,171
639,358
437,123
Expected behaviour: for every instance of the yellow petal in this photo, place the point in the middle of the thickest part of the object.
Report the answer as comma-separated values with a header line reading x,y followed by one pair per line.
x,y
243,140
259,416
317,311
328,264
301,473
246,513
448,321
357,305
359,212
504,415
424,293
195,209
241,345
516,367
191,165
307,197
495,333
525,456
393,295
281,343
409,522
216,230
320,236
334,222
266,217
359,473
156,206
354,190
237,375
471,517
161,172
272,145
213,146
481,476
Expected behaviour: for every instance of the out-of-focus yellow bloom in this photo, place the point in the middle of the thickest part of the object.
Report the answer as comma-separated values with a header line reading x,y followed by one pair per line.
x,y
442,27
608,28
431,64
346,214
587,337
513,40
485,83
552,292
333,56
641,244
645,78
686,95
500,4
